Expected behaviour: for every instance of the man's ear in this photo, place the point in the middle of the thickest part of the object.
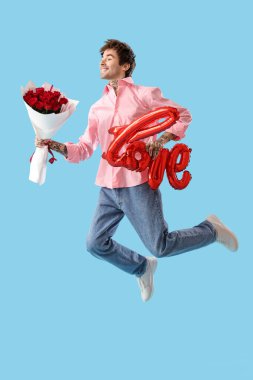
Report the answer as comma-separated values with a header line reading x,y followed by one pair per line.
x,y
126,66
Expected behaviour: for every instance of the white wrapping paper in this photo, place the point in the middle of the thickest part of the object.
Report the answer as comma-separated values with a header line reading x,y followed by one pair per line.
x,y
45,127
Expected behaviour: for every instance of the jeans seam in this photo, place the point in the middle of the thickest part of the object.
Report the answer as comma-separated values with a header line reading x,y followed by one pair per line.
x,y
157,204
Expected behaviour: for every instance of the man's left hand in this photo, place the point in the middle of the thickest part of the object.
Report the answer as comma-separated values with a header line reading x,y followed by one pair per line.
x,y
153,148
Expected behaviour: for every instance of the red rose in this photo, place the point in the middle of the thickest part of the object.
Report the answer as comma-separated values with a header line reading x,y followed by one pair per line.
x,y
39,105
32,101
63,101
39,90
56,107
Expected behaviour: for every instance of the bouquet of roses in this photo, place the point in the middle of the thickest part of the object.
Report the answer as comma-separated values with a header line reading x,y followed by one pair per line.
x,y
48,109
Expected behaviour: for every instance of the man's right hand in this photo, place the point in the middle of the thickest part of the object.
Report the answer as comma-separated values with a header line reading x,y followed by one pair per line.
x,y
41,142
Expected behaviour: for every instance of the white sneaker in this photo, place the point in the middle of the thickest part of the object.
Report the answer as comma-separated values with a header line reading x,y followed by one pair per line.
x,y
224,235
146,282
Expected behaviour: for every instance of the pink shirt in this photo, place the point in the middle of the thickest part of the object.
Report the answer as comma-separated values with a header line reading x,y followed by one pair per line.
x,y
110,110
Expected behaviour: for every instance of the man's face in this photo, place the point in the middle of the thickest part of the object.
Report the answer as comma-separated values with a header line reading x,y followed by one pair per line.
x,y
109,66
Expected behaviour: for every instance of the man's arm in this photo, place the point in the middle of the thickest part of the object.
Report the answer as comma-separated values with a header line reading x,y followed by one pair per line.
x,y
83,149
153,98
167,136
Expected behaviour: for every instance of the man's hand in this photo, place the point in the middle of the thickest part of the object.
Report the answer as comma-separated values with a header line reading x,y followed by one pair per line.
x,y
153,148
40,142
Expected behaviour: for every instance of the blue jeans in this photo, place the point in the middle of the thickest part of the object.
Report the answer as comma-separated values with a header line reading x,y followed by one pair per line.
x,y
143,207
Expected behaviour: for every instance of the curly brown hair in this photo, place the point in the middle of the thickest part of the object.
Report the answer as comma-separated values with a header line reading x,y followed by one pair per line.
x,y
124,51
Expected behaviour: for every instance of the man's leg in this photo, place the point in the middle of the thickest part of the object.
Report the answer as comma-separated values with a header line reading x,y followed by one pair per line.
x,y
143,207
107,217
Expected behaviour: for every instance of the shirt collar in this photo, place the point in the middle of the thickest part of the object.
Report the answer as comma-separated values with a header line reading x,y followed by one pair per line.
x,y
121,81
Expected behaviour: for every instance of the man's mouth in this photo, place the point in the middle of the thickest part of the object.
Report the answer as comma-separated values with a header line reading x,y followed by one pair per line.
x,y
104,68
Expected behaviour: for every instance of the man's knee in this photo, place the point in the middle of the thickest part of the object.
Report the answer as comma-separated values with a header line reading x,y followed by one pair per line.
x,y
154,250
95,244
91,244
158,246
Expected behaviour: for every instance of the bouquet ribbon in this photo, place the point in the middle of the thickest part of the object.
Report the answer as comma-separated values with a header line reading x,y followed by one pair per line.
x,y
52,159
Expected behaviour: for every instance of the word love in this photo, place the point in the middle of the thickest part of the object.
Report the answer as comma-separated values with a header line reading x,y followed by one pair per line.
x,y
166,159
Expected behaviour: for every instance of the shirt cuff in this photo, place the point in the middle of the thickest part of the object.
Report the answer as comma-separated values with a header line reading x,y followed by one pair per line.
x,y
177,130
71,152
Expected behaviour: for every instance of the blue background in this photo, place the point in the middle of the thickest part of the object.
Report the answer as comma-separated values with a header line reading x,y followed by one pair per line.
x,y
65,314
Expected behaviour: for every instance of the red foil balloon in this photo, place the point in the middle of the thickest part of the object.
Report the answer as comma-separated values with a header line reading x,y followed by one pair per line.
x,y
157,168
129,158
173,167
166,160
136,130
